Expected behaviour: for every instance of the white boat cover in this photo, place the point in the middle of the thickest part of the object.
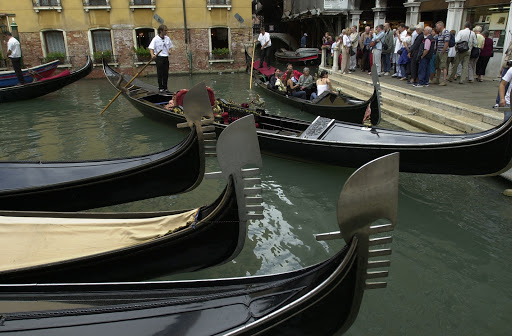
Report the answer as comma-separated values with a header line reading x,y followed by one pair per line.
x,y
31,241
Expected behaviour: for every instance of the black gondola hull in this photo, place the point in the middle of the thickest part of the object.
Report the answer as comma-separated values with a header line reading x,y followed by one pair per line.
x,y
43,87
318,300
196,247
85,185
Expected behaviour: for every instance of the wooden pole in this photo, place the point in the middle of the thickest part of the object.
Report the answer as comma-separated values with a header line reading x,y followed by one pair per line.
x,y
126,85
252,64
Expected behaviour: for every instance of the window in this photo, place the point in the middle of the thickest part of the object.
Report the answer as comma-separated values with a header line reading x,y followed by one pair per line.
x,y
47,5
101,40
54,42
142,4
96,4
143,37
218,4
219,38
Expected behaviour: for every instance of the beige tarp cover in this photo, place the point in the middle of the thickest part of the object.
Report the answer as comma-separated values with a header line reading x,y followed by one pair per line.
x,y
30,241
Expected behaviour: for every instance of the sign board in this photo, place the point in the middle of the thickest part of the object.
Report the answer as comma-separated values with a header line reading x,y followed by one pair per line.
x,y
239,18
158,19
335,4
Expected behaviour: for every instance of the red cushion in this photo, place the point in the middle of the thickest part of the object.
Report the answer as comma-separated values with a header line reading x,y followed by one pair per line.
x,y
180,96
62,74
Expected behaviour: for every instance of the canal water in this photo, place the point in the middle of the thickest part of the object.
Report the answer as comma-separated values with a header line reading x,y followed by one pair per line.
x,y
451,271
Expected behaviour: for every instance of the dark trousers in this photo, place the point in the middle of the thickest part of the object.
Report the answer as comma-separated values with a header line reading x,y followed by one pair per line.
x,y
162,71
16,64
265,53
414,68
424,71
481,65
386,62
365,66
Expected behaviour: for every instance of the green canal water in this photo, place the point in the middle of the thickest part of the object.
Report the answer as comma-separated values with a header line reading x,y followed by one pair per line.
x,y
451,270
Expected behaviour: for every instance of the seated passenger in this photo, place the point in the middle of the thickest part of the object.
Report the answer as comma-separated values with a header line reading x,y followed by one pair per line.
x,y
296,74
274,78
171,103
292,88
323,83
306,83
280,85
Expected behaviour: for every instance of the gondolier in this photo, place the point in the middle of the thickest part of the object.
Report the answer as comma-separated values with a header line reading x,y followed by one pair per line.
x,y
266,43
14,53
161,45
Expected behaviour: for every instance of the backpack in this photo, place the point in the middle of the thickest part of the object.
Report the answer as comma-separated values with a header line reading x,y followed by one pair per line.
x,y
451,43
433,47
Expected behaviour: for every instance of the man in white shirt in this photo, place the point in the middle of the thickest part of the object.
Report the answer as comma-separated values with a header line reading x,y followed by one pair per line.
x,y
504,92
160,49
354,39
14,53
468,36
266,43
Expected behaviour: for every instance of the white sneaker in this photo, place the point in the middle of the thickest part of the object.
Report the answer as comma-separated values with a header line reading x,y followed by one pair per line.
x,y
496,106
386,73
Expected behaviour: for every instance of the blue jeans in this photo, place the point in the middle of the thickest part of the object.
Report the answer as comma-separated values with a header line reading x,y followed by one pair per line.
x,y
506,87
299,94
313,96
386,62
424,71
403,72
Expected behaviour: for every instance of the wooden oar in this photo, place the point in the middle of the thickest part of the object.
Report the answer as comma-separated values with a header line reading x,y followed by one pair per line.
x,y
252,64
126,85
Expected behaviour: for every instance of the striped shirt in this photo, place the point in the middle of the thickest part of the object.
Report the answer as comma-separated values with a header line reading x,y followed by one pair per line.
x,y
441,39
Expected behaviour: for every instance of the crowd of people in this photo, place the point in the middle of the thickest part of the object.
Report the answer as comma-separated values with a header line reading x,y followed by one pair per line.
x,y
420,55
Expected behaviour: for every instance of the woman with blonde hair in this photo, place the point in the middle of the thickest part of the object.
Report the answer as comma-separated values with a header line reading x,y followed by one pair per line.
x,y
345,52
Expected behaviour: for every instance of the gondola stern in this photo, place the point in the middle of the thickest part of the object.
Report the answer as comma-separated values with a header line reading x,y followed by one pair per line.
x,y
239,157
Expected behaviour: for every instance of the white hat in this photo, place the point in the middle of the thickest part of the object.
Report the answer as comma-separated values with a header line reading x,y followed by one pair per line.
x,y
305,34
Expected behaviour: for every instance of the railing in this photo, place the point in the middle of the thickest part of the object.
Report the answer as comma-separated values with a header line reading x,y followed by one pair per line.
x,y
141,4
218,4
47,5
97,4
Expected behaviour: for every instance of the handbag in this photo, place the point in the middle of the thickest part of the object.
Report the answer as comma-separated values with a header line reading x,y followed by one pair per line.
x,y
351,52
384,46
475,52
399,52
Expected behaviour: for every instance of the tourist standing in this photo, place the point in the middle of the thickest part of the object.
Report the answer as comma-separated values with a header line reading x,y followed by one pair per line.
x,y
364,44
464,41
443,41
266,43
404,58
354,36
14,53
426,50
485,54
378,36
346,45
387,48
401,34
504,92
303,40
161,45
475,53
415,52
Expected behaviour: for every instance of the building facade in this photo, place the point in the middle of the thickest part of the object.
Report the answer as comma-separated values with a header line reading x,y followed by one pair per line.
x,y
208,35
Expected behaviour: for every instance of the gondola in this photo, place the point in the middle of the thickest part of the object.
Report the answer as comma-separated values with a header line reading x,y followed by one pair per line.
x,y
82,185
323,299
340,106
8,78
299,55
44,85
351,145
45,247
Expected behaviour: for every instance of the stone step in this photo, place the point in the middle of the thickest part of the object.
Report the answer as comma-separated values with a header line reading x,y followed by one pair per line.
x,y
392,93
403,118
447,118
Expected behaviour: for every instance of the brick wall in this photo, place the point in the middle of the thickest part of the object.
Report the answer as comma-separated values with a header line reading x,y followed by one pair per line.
x,y
78,46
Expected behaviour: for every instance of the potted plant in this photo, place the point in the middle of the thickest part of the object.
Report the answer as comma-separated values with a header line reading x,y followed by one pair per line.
x,y
99,55
56,56
220,53
143,54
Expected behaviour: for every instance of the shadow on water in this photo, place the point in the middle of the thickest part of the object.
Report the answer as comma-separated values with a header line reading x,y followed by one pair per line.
x,y
451,266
